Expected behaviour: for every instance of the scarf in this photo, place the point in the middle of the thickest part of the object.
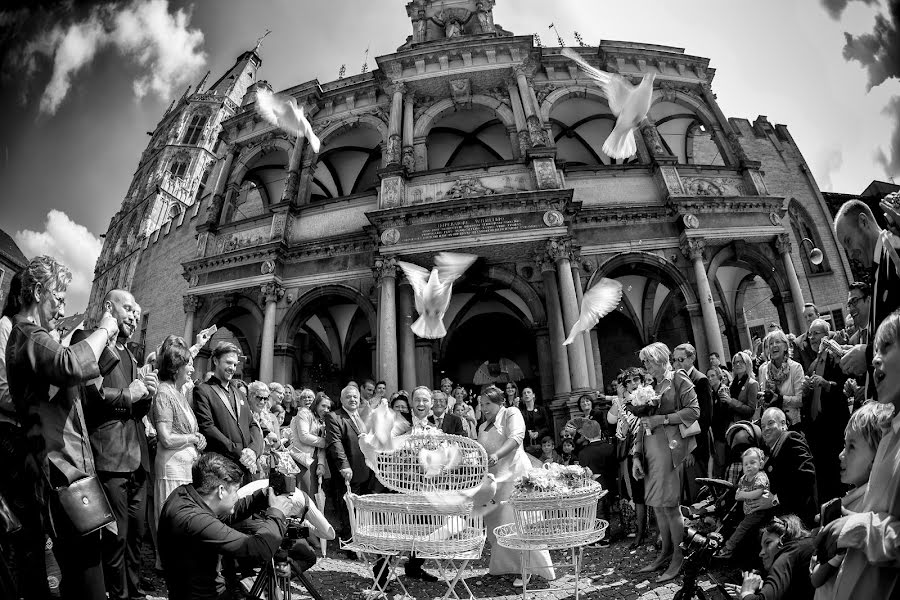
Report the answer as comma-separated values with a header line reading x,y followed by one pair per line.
x,y
737,385
775,376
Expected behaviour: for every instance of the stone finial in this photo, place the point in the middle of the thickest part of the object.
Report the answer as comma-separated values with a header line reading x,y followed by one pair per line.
x,y
783,243
271,292
693,248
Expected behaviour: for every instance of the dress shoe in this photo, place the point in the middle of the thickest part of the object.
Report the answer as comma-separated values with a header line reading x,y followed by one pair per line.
x,y
421,575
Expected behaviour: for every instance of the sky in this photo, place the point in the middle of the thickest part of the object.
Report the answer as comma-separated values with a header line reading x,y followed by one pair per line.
x,y
82,82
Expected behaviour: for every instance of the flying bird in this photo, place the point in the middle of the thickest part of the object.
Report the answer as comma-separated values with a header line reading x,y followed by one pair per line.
x,y
282,112
596,303
432,291
630,104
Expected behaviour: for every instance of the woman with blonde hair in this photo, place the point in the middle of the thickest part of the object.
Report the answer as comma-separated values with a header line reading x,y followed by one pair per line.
x,y
733,402
660,451
780,379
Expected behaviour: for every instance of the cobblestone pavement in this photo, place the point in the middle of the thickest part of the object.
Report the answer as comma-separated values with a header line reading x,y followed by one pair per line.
x,y
608,573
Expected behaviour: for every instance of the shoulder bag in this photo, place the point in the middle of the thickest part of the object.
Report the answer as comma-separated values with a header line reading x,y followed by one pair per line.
x,y
83,500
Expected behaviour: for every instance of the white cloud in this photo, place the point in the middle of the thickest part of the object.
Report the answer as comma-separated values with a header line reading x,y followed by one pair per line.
x,y
167,51
826,165
70,243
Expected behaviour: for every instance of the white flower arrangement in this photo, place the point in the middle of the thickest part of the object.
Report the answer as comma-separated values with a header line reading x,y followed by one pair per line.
x,y
553,477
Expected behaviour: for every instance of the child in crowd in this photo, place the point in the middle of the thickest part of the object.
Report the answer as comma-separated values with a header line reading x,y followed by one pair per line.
x,y
861,438
461,410
567,455
548,453
751,487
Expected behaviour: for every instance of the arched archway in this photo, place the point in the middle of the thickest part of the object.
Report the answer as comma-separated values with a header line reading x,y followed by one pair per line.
x,y
240,320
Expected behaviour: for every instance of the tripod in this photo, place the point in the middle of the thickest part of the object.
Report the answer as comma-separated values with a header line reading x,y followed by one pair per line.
x,y
275,577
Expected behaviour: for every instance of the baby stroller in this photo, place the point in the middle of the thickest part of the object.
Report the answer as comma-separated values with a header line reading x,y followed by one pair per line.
x,y
714,517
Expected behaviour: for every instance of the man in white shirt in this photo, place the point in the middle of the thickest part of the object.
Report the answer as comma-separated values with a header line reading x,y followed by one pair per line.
x,y
420,406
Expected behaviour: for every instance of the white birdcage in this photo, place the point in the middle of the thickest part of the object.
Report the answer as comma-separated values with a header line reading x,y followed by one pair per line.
x,y
563,516
436,475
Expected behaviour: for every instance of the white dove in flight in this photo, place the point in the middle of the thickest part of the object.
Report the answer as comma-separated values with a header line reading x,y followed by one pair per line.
x,y
432,291
629,103
597,302
282,112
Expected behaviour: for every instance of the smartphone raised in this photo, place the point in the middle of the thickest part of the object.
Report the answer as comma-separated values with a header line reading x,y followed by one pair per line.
x,y
831,511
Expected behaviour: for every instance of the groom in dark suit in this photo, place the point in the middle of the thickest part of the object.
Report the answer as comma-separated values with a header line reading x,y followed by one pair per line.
x,y
114,408
223,414
440,418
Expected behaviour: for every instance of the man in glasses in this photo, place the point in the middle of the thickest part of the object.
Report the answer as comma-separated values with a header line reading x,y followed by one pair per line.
x,y
697,463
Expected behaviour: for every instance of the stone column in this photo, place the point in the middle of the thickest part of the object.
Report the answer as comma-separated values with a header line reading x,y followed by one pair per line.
x,y
545,364
693,249
283,371
652,139
292,182
385,271
562,385
521,127
191,304
409,153
214,209
406,337
532,120
586,337
598,365
697,326
271,294
560,251
783,244
395,126
307,171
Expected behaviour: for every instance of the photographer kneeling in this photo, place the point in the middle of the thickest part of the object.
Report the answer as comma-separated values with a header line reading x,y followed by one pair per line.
x,y
195,528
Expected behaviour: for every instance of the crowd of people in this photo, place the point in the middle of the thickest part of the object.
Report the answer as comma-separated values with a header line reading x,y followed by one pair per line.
x,y
794,422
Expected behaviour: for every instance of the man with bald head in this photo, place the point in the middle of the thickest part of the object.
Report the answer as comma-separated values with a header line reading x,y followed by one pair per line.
x,y
790,469
115,407
343,427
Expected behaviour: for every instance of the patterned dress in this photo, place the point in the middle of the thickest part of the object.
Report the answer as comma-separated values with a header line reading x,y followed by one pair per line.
x,y
173,467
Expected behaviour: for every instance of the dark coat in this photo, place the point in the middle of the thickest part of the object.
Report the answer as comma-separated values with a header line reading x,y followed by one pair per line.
x,y
885,300
704,399
600,457
114,415
451,424
792,477
343,451
226,433
192,540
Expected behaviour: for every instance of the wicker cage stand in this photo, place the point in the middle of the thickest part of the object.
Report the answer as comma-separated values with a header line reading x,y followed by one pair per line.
x,y
432,515
554,520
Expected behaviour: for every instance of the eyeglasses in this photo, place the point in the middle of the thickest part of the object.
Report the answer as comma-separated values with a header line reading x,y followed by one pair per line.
x,y
262,397
636,380
678,360
852,302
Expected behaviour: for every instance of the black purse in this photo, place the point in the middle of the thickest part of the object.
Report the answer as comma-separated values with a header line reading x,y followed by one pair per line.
x,y
83,500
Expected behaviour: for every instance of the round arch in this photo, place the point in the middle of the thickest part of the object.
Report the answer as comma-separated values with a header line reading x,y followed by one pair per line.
x,y
247,156
645,263
522,288
436,110
223,309
692,103
305,307
754,260
566,93
339,127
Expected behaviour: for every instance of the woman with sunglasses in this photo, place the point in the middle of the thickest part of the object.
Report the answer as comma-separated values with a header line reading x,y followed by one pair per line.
x,y
627,427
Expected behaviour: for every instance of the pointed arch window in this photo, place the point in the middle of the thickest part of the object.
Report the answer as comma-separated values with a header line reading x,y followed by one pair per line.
x,y
194,130
800,223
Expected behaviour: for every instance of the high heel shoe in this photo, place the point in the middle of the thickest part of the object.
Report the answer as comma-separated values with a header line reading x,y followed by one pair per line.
x,y
671,573
656,565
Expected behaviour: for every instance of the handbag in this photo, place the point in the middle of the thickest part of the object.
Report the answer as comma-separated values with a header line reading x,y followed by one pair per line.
x,y
9,522
83,500
691,430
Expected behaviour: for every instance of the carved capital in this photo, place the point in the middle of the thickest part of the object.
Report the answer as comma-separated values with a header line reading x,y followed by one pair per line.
x,y
693,248
271,292
519,71
192,303
544,263
783,243
384,267
398,88
559,249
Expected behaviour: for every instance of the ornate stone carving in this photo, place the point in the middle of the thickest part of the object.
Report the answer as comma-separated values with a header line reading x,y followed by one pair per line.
x,y
391,236
243,239
774,219
691,221
545,91
409,158
559,249
713,186
544,263
485,16
384,267
652,139
467,187
392,192
202,239
461,92
554,218
783,243
267,267
419,27
271,292
393,149
693,248
279,222
536,131
192,303
545,173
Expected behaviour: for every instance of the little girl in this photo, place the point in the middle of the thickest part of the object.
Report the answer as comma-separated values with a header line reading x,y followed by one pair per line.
x,y
751,487
567,456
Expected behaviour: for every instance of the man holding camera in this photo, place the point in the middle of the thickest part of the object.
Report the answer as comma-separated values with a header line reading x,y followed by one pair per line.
x,y
195,529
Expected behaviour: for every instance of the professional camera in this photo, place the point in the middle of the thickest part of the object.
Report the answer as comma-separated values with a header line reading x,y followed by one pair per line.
x,y
295,530
694,540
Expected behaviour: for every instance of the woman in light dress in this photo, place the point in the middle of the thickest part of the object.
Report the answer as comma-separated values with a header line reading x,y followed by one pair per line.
x,y
502,434
179,439
308,448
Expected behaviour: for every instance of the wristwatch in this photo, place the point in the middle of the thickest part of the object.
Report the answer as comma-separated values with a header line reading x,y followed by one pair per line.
x,y
775,501
665,419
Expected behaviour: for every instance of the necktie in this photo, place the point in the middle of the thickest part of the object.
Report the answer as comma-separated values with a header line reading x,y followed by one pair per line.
x,y
438,422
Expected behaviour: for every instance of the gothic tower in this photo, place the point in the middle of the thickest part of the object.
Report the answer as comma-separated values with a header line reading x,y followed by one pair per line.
x,y
172,174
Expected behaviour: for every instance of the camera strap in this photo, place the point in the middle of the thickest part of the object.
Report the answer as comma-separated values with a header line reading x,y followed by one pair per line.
x,y
305,506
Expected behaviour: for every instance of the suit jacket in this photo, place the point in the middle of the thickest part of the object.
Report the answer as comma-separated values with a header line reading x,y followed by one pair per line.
x,y
451,424
792,476
226,432
828,428
114,415
600,457
342,437
704,399
885,300
803,352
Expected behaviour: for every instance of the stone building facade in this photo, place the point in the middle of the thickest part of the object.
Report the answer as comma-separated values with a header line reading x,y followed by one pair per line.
x,y
470,139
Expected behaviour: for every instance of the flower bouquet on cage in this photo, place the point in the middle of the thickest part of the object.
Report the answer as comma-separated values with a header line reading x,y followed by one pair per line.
x,y
642,402
553,477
